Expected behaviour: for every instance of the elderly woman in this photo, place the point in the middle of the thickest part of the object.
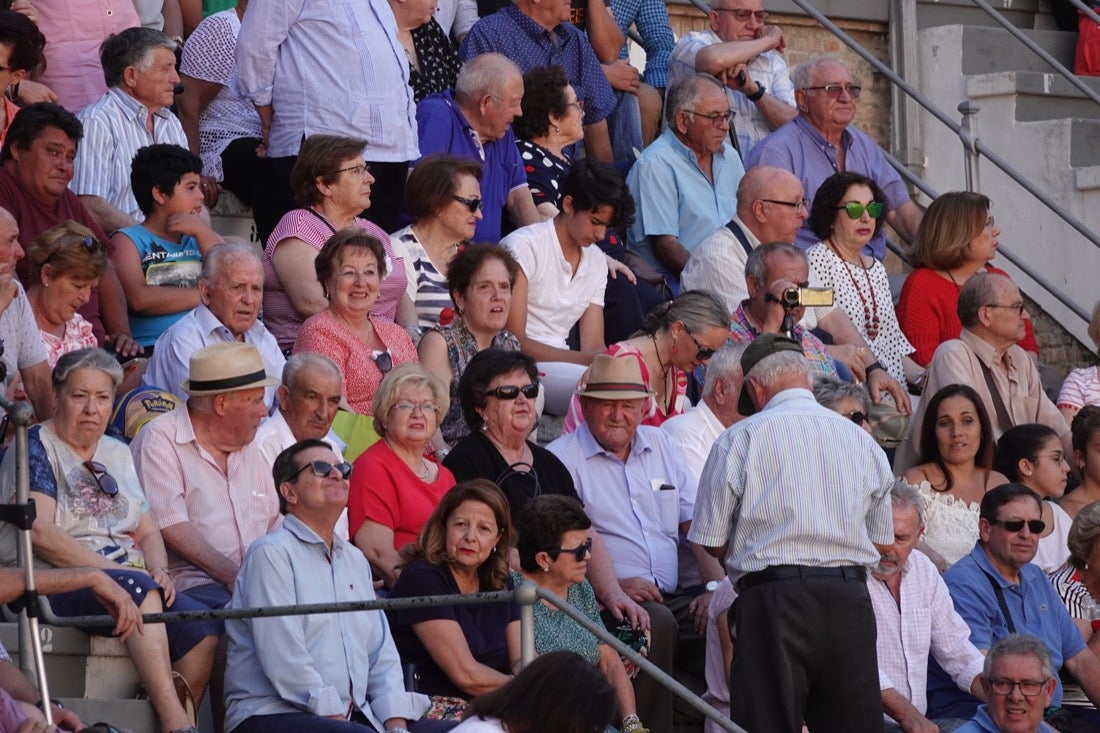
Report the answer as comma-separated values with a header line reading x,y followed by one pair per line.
x,y
848,210
957,239
850,400
21,46
954,470
395,486
332,184
443,196
350,268
433,60
480,281
459,652
92,512
554,547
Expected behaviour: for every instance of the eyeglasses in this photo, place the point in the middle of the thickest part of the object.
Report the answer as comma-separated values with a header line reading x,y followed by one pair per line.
x,y
742,16
511,391
715,119
472,204
323,469
424,407
801,204
382,360
857,416
1035,526
104,480
833,91
355,170
579,552
704,352
1029,688
855,211
578,103
1018,307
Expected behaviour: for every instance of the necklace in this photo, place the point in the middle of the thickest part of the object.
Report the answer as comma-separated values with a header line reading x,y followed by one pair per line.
x,y
423,476
870,311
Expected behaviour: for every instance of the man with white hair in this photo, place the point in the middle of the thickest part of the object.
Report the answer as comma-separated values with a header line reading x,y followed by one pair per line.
x,y
1019,680
796,499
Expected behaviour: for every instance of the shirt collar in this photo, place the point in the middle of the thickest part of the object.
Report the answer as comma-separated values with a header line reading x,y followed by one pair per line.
x,y
982,559
589,446
753,239
133,108
742,317
985,350
687,153
210,323
790,395
815,135
536,31
299,529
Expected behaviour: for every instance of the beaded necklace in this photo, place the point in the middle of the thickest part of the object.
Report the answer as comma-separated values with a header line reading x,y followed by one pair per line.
x,y
870,311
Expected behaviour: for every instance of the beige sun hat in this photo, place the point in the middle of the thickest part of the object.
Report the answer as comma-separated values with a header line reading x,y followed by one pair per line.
x,y
614,378
226,367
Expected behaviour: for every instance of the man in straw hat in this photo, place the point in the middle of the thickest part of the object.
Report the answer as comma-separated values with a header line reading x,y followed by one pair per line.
x,y
640,497
796,498
210,490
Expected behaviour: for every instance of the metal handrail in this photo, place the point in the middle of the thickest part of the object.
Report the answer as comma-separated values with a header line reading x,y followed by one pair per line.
x,y
1086,10
525,594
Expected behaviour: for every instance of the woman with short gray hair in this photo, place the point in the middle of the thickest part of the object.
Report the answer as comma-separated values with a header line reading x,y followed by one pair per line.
x,y
1078,581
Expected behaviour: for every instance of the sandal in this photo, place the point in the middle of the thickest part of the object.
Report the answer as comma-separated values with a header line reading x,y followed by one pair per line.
x,y
187,701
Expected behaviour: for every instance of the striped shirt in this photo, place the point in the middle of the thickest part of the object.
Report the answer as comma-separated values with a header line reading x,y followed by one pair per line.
x,y
114,130
795,484
425,285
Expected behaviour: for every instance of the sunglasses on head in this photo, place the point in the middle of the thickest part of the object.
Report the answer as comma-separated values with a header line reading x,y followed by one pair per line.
x,y
511,391
323,469
855,211
383,361
579,552
1035,526
857,416
106,482
474,205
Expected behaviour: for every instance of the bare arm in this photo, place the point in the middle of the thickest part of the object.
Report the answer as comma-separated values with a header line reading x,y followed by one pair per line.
x,y
906,220
908,717
591,331
601,574
521,206
774,111
112,304
612,667
445,642
710,568
838,325
603,32
173,19
293,262
669,252
39,389
517,324
185,541
107,216
141,297
197,95
718,57
376,542
597,142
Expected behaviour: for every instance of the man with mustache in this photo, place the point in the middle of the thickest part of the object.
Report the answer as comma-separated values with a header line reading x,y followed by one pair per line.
x,y
908,594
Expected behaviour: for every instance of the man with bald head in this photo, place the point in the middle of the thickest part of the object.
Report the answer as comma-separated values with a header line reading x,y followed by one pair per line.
x,y
474,121
986,357
822,141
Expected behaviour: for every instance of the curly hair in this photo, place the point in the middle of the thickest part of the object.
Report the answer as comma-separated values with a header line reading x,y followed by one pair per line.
x,y
543,95
830,193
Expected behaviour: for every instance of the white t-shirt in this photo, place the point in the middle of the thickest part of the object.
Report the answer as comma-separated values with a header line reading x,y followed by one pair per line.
x,y
480,725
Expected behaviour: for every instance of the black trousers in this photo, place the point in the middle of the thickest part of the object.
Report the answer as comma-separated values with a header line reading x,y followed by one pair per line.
x,y
804,651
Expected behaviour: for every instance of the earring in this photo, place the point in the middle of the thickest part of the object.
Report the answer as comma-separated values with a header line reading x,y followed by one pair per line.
x,y
557,128
544,568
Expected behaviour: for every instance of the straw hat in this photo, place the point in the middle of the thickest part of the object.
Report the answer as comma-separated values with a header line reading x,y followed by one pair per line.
x,y
764,346
226,367
614,378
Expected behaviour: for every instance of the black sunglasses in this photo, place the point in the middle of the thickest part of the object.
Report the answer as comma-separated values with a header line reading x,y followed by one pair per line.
x,y
474,205
104,480
579,552
703,352
383,361
323,469
1036,526
511,391
857,416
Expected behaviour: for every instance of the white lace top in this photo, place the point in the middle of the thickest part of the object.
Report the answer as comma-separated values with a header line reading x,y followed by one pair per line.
x,y
951,524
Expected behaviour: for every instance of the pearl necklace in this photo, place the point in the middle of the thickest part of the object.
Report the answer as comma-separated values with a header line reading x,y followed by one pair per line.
x,y
870,311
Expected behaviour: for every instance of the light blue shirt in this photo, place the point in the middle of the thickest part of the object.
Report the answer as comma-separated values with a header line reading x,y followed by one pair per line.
x,y
982,723
320,664
332,67
637,520
795,484
675,197
170,364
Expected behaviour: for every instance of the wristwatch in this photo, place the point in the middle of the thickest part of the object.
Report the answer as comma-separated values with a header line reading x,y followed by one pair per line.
x,y
755,96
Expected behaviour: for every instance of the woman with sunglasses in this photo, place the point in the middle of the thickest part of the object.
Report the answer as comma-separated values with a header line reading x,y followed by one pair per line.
x,y
92,512
554,546
849,210
850,400
443,196
956,240
350,268
954,471
396,486
675,338
1032,455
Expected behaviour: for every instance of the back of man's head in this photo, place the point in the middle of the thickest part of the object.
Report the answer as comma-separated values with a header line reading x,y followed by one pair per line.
x,y
131,47
30,121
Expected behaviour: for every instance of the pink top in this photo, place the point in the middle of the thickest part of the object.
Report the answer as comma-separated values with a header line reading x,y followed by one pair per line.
x,y
323,333
385,490
1081,387
279,315
78,335
655,414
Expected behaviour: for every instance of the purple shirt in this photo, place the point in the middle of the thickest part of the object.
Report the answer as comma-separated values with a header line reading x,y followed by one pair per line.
x,y
798,147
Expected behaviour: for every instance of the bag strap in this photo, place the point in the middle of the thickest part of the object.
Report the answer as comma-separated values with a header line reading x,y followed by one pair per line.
x,y
736,231
323,220
1001,601
998,404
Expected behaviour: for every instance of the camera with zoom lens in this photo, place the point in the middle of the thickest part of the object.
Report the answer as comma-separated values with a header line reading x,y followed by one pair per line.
x,y
806,297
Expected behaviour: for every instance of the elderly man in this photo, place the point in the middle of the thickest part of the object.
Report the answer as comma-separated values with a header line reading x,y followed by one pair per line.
x,y
1019,682
308,399
821,141
139,66
474,121
209,488
36,165
997,591
914,617
299,674
986,357
685,183
783,552
639,495
23,352
746,56
230,294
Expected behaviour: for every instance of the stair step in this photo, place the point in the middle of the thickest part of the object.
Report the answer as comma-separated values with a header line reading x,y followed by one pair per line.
x,y
80,665
133,715
1039,96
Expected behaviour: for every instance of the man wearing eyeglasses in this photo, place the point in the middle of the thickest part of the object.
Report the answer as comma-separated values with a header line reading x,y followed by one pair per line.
x,y
986,357
746,56
822,141
998,591
1019,681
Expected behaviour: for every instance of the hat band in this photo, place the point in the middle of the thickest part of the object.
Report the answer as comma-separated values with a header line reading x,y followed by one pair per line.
x,y
215,385
614,387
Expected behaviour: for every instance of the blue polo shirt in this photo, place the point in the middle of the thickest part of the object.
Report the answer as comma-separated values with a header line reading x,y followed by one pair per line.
x,y
443,129
1034,606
